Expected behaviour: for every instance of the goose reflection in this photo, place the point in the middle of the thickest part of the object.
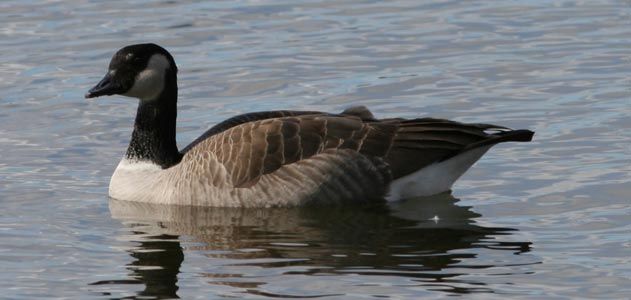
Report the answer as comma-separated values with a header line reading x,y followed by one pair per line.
x,y
419,238
157,262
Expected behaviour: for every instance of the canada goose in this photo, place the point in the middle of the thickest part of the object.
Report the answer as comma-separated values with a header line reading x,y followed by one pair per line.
x,y
281,158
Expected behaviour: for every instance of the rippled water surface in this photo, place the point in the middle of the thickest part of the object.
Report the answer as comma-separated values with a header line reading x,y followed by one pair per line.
x,y
549,219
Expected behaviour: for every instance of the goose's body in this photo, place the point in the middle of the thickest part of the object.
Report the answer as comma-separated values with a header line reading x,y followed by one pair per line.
x,y
281,158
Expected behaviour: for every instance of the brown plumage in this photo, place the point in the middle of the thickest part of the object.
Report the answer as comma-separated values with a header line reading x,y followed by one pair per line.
x,y
256,144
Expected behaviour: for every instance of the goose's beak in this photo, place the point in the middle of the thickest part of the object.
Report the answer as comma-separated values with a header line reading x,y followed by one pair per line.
x,y
105,87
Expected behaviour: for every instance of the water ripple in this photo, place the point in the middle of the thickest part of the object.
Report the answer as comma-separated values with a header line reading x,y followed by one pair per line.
x,y
560,68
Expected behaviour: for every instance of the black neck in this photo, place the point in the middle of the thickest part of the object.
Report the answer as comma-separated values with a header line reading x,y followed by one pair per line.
x,y
153,138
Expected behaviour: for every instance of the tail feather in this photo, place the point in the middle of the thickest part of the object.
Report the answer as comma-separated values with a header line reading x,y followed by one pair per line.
x,y
419,143
438,173
520,135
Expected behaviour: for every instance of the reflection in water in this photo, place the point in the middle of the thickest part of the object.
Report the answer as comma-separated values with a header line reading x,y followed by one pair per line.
x,y
420,239
157,262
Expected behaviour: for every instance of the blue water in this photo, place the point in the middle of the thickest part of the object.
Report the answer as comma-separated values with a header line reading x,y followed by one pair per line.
x,y
548,219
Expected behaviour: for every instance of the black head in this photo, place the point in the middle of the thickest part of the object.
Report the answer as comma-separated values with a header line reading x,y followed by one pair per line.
x,y
139,71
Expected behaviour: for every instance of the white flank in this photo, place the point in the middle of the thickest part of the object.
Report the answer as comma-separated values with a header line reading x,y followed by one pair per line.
x,y
435,178
150,82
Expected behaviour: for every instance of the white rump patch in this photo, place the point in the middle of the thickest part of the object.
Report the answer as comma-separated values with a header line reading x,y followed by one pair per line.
x,y
150,82
435,178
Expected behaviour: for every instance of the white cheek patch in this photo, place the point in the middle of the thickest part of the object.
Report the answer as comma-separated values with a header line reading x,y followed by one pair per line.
x,y
150,82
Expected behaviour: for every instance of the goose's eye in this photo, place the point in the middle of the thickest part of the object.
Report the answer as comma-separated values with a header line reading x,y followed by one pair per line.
x,y
135,59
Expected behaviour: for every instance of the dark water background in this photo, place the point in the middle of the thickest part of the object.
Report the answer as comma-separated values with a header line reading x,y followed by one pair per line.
x,y
549,219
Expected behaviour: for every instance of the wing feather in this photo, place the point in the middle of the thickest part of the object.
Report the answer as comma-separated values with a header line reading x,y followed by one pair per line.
x,y
253,145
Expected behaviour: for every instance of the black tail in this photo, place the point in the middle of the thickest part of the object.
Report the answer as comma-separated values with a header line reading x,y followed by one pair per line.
x,y
520,135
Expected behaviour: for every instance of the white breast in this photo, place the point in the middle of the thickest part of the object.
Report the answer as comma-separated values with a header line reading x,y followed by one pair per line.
x,y
134,178
201,183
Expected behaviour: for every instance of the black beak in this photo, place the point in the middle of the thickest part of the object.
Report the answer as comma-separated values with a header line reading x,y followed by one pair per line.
x,y
105,87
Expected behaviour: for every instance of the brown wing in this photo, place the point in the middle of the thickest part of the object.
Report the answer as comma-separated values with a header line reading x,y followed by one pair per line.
x,y
252,149
359,111
244,118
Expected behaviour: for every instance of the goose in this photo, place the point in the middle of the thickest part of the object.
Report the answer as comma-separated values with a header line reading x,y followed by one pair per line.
x,y
282,157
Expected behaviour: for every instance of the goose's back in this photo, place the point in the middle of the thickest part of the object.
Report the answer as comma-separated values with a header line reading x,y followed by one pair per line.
x,y
251,149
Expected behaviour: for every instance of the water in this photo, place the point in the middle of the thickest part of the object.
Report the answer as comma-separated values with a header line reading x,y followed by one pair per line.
x,y
549,219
